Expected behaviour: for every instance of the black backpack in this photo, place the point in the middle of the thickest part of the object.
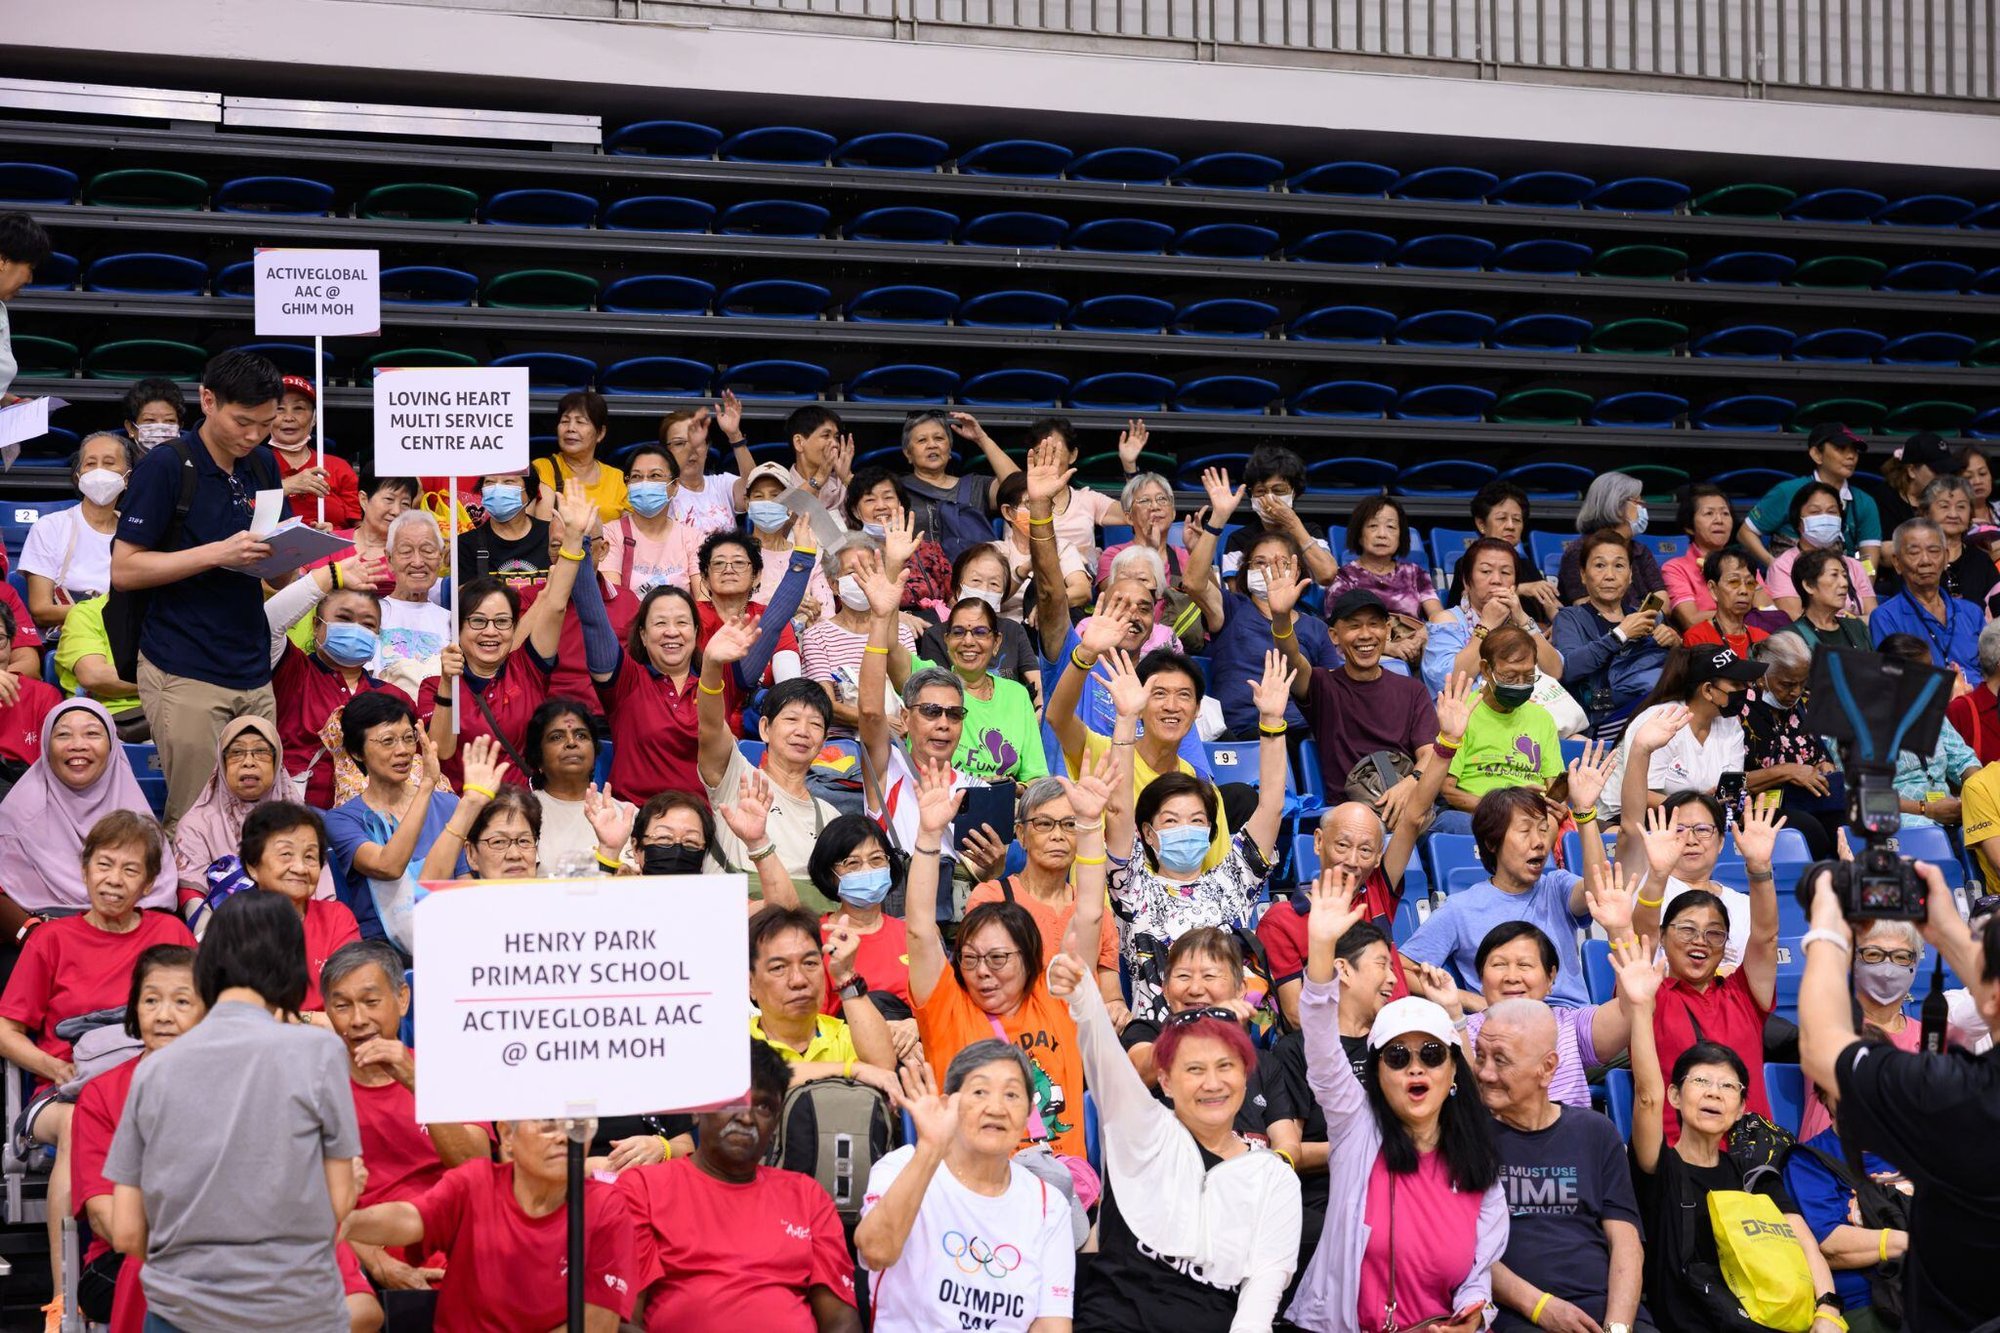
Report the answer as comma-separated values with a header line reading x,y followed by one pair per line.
x,y
835,1130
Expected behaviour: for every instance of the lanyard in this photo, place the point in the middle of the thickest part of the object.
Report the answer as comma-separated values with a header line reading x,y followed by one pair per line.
x,y
1925,619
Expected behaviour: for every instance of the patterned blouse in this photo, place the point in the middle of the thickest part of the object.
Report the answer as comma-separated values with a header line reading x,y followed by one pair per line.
x,y
1774,735
1154,912
1403,589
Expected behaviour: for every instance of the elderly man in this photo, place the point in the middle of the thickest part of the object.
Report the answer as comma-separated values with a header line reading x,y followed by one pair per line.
x,y
1950,625
1573,1257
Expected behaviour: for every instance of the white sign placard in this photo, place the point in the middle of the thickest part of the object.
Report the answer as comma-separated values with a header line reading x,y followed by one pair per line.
x,y
451,422
541,999
324,292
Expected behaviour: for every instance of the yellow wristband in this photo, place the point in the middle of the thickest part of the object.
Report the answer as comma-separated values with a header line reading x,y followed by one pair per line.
x,y
568,555
1585,817
1088,861
667,1147
487,792
1286,635
876,648
1078,662
805,550
1040,521
1287,1158
608,862
1444,744
1882,1247
1652,902
1276,733
704,687
847,1069
1535,1315
336,576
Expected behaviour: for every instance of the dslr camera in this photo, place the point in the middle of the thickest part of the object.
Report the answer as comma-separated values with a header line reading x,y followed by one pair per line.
x,y
1875,707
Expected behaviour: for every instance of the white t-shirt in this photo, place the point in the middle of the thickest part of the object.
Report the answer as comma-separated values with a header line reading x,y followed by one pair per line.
x,y
63,548
1738,903
899,799
1683,763
411,632
566,832
710,509
972,1261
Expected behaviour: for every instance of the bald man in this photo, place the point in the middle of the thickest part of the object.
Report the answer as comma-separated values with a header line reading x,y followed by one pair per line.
x,y
1352,836
1573,1256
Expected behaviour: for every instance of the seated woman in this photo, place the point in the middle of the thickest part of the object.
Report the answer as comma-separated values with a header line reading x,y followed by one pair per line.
x,y
733,584
311,686
1002,735
1824,596
1611,658
1409,1123
495,831
582,423
162,1004
249,771
707,503
1686,734
21,715
854,864
912,1208
1378,542
154,410
1817,515
1148,502
875,505
76,965
1732,586
1274,478
1500,511
561,747
67,554
1704,514
956,512
649,697
284,851
1614,501
1777,740
383,501
983,573
674,834
1080,511
46,819
648,545
415,629
1679,1122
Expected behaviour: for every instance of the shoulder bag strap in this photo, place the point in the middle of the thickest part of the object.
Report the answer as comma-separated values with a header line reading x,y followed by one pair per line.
x,y
1038,1132
1389,1324
493,725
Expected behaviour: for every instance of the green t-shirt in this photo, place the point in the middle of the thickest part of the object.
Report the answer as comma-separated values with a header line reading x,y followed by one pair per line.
x,y
82,636
1002,736
1507,749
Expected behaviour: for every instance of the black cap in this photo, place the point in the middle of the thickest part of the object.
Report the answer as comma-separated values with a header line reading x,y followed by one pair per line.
x,y
1926,449
1722,664
1834,432
1353,602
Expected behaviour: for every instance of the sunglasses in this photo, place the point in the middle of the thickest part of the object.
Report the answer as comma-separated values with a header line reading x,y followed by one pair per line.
x,y
1186,1016
1432,1053
932,712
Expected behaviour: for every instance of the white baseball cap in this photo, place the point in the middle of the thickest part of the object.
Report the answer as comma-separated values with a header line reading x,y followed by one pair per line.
x,y
1411,1014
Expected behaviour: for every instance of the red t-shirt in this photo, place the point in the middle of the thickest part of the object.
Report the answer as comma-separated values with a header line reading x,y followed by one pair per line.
x,y
21,721
512,696
721,1258
25,633
308,691
506,1268
882,960
99,1108
402,1161
655,731
572,674
1706,635
1729,1015
711,621
70,967
1282,932
329,924
343,499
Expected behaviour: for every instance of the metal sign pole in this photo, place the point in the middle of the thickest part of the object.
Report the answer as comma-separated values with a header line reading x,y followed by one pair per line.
x,y
319,413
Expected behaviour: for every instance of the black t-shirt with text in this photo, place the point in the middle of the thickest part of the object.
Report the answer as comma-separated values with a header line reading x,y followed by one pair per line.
x,y
1563,1183
1126,1288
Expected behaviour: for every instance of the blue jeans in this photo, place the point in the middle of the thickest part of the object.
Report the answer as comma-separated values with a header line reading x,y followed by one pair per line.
x,y
1451,821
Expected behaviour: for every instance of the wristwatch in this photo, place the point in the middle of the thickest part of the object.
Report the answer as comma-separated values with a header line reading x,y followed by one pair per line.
x,y
856,987
1617,1328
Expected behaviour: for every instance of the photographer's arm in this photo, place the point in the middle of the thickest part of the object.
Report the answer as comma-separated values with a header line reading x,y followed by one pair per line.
x,y
1826,1007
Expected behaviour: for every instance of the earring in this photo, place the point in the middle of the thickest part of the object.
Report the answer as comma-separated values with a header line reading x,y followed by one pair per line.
x,y
1452,1091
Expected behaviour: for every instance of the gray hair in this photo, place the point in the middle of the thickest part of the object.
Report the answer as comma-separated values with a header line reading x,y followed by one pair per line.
x,y
1531,1018
1989,650
1789,650
916,419
415,518
351,958
1135,554
1138,482
1604,503
1043,790
990,1051
1334,812
920,681
1917,524
126,446
1943,486
829,559
1912,940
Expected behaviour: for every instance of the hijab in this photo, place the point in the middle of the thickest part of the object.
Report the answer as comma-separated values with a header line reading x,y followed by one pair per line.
x,y
43,823
212,828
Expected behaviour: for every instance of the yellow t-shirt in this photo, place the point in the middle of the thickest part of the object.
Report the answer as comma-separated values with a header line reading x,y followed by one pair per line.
x,y
1979,805
1094,748
831,1042
608,490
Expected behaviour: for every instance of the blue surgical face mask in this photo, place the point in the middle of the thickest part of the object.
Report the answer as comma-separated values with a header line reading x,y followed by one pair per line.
x,y
875,530
1640,522
350,645
864,888
1821,529
767,515
1183,848
504,503
647,498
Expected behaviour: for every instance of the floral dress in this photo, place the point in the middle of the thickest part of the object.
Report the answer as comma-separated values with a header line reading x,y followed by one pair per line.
x,y
1153,911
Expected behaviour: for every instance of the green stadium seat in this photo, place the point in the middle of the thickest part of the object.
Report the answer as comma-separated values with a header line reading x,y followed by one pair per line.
x,y
418,201
144,358
540,289
147,187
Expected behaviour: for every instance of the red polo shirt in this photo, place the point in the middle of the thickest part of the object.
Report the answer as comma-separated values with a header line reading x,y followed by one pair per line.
x,y
512,696
711,621
329,924
21,721
1282,932
1727,1014
655,730
572,674
308,692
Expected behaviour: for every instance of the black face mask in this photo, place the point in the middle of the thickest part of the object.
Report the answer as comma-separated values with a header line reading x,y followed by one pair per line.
x,y
1732,706
1510,697
672,859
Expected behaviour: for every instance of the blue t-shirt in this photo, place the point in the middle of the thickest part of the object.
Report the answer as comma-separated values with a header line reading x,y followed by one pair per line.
x,y
355,824
209,627
1097,711
1563,1184
1954,641
1236,657
1452,936
1823,1200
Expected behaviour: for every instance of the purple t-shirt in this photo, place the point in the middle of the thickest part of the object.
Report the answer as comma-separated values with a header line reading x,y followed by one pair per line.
x,y
1403,589
1575,1052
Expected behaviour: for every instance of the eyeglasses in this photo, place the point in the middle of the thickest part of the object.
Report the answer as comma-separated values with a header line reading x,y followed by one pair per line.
x,y
1153,501
396,742
1703,1083
996,962
236,754
1049,824
932,712
524,842
1714,937
694,844
1186,1016
237,495
969,632
501,623
1699,832
1432,1053
729,566
1900,957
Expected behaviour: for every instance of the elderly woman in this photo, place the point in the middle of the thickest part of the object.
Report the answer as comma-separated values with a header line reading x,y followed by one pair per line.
x,y
67,556
704,506
874,505
1002,735
1410,1123
1816,514
649,697
1822,579
1141,565
1614,501
154,411
1148,504
970,1130
1776,740
1611,657
733,584
562,756
1968,571
955,512
1705,516
982,574
582,423
830,651
284,851
381,837
1500,511
415,629
1378,542
249,772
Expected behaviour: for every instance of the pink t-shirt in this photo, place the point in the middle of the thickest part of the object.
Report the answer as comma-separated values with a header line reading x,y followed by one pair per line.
x,y
1778,579
1078,521
1436,1230
1685,582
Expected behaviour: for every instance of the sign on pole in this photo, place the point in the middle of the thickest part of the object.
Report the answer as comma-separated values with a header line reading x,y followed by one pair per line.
x,y
450,422
327,293
547,999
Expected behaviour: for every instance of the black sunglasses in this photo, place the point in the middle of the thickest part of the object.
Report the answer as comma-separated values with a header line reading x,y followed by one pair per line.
x,y
1187,1016
1432,1053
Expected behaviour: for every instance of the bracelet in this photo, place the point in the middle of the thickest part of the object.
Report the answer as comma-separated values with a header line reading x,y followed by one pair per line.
x,y
1449,747
1480,631
488,792
1037,522
1882,1248
1754,876
1088,861
336,576
1286,635
1275,733
1078,662
568,556
1535,1315
806,551
667,1147
876,648
609,862
454,832
1644,901
705,690
928,851
847,1069
1585,817
1133,741
443,699
1287,1158
1816,934
767,850
1211,529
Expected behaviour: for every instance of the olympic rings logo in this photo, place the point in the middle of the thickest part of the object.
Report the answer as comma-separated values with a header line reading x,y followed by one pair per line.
x,y
973,1257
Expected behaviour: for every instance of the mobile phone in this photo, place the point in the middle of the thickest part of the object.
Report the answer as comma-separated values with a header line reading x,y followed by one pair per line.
x,y
992,804
1655,601
1729,791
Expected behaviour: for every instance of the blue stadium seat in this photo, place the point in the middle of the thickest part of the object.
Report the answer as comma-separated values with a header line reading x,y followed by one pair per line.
x,y
1342,324
1840,204
1342,398
1618,1100
1444,328
1551,481
145,761
1015,231
893,150
1449,545
786,145
1785,1085
1749,483
1445,251
1925,210
774,298
659,212
1667,546
903,305
1546,550
1748,412
1927,349
1016,387
905,226
1352,477
1445,402
1228,171
777,379
293,358
1755,342
1639,194
664,138
147,274
551,370
427,284
1544,255
1016,157
58,273
1542,189
1237,761
1245,395
1123,166
1188,475
1640,408
1013,310
1546,332
1837,345
1130,236
1227,240
1226,317
36,183
1446,851
1445,479
668,376
1986,283
291,196
658,294
1927,275
1463,185
1369,248
1362,178
1600,981
1122,314
539,208
1984,218
1122,391
903,384
773,217
1761,267
1986,425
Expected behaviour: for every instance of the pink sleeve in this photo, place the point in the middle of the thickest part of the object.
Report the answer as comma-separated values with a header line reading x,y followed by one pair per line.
x,y
1857,576
1778,578
1680,583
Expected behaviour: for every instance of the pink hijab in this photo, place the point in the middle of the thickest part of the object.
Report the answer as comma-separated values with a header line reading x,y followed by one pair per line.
x,y
43,823
212,828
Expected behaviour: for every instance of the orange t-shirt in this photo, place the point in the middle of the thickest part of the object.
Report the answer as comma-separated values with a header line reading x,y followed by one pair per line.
x,y
1052,920
949,1021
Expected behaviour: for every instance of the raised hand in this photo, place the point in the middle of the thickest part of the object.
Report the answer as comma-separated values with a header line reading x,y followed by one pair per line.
x,y
484,767
1434,984
1663,848
732,642
698,432
1609,899
1661,727
1108,624
729,414
935,1117
1283,586
1066,973
1222,501
885,594
1121,681
840,458
937,801
428,752
1454,706
1588,773
1090,791
1131,443
966,426
1273,693
749,814
610,819
1336,906
366,569
1639,977
1757,834
843,941
900,537
1047,477
578,513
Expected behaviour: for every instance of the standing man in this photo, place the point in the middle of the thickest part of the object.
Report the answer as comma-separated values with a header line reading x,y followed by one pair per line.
x,y
184,539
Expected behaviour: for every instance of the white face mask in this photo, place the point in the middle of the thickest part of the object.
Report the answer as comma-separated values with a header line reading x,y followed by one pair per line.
x,y
851,595
156,432
1265,504
1255,581
986,595
101,485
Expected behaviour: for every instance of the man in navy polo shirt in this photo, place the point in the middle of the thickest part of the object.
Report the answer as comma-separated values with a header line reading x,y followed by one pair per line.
x,y
204,649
